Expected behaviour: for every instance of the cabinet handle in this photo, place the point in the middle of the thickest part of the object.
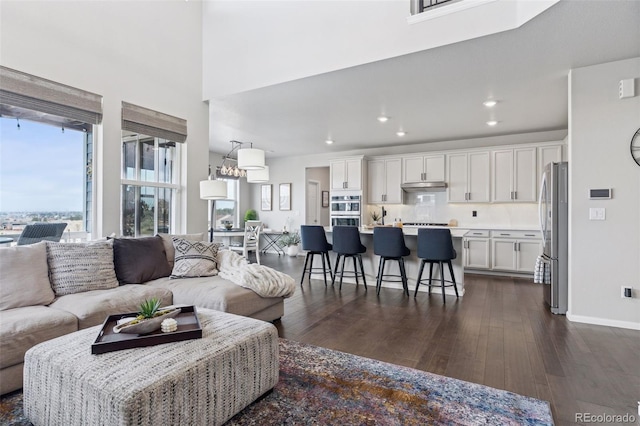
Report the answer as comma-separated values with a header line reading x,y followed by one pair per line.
x,y
529,235
477,233
505,235
515,246
515,195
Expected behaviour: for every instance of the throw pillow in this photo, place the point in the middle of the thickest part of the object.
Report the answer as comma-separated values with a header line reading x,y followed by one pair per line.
x,y
194,259
24,276
167,240
78,267
138,260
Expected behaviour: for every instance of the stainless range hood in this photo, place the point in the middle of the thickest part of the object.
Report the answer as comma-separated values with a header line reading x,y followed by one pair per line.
x,y
424,186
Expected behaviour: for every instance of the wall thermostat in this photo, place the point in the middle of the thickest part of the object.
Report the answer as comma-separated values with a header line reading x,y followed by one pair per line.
x,y
600,194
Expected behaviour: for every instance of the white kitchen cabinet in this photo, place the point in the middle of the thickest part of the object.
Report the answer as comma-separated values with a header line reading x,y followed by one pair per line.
x,y
423,168
514,175
476,249
514,251
468,177
346,173
384,181
548,154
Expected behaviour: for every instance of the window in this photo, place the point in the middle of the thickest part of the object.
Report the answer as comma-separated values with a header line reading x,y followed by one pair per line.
x,y
227,210
150,170
45,172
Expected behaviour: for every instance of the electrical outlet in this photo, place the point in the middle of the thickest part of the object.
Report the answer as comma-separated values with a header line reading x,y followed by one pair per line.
x,y
597,213
626,292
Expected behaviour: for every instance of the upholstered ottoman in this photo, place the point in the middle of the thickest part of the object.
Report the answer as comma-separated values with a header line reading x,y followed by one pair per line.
x,y
194,382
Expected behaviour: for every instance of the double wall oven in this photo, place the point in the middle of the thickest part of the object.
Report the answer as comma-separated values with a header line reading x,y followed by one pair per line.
x,y
346,209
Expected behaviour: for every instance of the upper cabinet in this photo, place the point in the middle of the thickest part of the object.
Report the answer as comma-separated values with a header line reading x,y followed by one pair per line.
x,y
548,154
423,168
384,181
346,173
468,177
514,175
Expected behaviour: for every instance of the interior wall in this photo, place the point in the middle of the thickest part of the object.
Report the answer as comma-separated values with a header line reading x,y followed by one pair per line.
x,y
124,52
604,255
332,35
322,175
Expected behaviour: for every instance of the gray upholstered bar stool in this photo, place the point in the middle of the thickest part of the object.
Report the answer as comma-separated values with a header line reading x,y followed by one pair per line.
x,y
314,241
435,246
346,244
388,243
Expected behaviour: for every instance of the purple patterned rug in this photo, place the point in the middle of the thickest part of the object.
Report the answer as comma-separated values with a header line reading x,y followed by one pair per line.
x,y
322,386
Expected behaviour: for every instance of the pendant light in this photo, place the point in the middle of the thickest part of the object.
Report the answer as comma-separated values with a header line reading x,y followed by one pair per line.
x,y
213,190
258,176
251,158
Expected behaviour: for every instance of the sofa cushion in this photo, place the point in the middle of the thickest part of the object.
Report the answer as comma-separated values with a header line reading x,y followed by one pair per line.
x,y
216,293
167,240
22,328
24,276
94,307
138,260
80,267
194,259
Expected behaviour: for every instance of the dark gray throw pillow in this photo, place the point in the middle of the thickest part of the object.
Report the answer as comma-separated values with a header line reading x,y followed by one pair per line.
x,y
138,260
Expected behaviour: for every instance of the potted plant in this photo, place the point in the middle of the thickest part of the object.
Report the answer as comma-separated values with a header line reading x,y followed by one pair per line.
x,y
375,216
250,214
290,241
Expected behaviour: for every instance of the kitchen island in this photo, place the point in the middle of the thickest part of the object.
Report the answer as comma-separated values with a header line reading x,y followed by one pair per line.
x,y
412,262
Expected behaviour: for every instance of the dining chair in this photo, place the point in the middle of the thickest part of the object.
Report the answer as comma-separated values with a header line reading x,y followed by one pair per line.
x,y
251,239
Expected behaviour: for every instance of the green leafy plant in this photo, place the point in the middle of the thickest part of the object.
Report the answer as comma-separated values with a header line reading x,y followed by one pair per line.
x,y
375,216
250,214
149,308
290,239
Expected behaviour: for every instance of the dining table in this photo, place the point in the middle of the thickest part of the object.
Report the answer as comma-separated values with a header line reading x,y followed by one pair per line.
x,y
231,236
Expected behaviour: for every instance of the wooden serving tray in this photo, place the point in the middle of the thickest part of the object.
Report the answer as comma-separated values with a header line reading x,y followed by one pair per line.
x,y
108,341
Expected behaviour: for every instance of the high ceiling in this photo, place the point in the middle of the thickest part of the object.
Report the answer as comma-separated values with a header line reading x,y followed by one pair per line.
x,y
437,94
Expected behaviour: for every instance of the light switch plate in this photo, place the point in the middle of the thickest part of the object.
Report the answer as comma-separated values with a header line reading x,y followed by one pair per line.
x,y
597,213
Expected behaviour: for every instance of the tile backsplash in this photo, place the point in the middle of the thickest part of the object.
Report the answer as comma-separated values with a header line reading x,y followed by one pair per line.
x,y
433,207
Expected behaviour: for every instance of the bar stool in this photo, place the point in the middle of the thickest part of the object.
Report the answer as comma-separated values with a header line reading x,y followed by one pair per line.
x,y
346,243
314,241
388,243
436,246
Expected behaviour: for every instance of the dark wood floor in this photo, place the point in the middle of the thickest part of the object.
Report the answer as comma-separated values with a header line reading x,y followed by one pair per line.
x,y
499,334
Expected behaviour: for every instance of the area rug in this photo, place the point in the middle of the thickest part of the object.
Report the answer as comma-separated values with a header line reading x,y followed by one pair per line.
x,y
320,386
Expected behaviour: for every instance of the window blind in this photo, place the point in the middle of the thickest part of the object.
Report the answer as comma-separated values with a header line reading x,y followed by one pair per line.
x,y
153,123
24,90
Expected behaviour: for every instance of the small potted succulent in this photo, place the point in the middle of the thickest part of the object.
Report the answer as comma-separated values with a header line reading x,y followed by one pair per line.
x,y
149,318
375,216
291,242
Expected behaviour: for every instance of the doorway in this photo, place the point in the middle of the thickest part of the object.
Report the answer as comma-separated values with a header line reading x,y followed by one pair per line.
x,y
312,209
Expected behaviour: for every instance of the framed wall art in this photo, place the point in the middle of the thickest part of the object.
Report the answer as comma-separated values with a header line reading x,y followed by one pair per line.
x,y
285,196
325,198
265,197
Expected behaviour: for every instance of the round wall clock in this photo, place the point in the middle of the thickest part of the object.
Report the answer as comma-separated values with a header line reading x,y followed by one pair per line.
x,y
635,147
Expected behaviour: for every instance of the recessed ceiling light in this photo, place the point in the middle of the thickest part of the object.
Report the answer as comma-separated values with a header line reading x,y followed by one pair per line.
x,y
489,103
383,119
401,133
492,123
328,141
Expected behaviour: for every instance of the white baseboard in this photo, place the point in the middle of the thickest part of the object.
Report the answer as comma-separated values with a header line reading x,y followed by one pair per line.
x,y
603,321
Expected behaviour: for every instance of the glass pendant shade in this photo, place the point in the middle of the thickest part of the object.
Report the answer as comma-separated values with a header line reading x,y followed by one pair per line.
x,y
213,190
251,159
258,176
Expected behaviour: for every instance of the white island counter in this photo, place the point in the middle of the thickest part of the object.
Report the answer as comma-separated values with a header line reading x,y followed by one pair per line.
x,y
412,262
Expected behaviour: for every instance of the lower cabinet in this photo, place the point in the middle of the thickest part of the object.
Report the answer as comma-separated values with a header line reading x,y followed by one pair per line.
x,y
514,251
501,250
477,250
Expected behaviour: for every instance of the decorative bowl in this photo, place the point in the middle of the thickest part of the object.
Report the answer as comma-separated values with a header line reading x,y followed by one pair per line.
x,y
146,325
228,226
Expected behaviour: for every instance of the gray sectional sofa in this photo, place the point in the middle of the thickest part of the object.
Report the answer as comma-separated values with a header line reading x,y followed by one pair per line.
x,y
51,289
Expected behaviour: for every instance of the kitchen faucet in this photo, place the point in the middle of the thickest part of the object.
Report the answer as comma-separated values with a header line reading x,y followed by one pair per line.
x,y
384,213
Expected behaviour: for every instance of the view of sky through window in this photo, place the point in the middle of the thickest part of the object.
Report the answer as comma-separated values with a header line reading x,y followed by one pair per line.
x,y
41,168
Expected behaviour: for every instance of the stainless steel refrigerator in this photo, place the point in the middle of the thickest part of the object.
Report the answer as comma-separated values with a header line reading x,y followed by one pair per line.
x,y
554,224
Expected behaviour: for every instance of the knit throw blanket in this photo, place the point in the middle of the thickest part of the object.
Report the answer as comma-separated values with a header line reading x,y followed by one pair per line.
x,y
265,281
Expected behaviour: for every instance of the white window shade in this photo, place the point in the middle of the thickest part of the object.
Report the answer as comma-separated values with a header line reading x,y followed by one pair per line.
x,y
27,91
153,123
